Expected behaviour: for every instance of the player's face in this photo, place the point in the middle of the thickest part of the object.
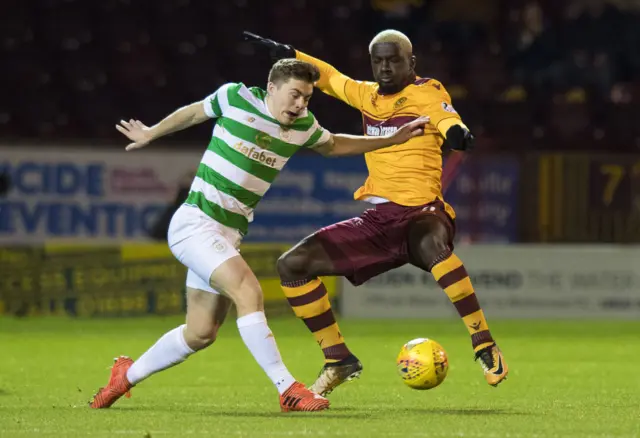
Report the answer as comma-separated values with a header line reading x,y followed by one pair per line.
x,y
290,99
392,69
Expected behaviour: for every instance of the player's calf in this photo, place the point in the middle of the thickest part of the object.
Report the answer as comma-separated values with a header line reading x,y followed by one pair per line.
x,y
309,298
236,279
430,247
206,312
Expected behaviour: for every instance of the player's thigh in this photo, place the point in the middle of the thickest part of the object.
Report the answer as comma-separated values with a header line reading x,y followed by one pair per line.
x,y
307,259
201,244
206,312
429,240
235,279
362,247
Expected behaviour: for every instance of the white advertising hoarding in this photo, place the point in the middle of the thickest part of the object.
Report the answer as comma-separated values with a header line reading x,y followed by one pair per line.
x,y
513,281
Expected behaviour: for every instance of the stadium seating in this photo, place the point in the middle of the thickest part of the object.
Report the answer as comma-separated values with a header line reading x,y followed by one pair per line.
x,y
71,69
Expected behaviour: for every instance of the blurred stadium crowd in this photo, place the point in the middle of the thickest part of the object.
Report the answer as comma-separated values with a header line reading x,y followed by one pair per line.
x,y
523,73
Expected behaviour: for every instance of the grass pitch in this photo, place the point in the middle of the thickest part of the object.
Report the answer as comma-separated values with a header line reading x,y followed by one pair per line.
x,y
566,379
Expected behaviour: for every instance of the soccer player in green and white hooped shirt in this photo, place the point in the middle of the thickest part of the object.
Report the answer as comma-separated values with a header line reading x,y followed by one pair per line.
x,y
256,132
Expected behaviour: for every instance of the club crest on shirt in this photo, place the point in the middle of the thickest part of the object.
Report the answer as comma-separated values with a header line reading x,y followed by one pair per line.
x,y
263,140
399,102
285,133
448,108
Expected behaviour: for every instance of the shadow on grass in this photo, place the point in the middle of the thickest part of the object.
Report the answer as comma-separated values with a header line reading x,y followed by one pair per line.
x,y
345,412
382,412
213,412
464,411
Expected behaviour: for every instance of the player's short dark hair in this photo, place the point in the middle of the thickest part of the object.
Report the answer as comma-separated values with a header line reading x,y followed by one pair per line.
x,y
286,69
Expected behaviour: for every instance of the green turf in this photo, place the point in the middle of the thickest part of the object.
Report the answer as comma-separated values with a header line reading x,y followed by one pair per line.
x,y
567,379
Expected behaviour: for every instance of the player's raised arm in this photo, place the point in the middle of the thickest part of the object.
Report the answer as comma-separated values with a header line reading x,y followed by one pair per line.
x,y
340,145
336,84
331,82
183,118
141,135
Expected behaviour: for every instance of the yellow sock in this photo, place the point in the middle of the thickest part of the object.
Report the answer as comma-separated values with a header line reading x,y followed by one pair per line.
x,y
310,302
453,278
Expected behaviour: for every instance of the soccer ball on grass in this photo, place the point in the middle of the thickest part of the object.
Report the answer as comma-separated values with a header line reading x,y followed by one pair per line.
x,y
422,363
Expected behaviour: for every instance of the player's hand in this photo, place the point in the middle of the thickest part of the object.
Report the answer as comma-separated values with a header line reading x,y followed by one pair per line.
x,y
277,51
137,132
409,130
459,138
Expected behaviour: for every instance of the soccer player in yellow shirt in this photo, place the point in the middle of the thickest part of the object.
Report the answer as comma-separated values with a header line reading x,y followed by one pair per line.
x,y
409,221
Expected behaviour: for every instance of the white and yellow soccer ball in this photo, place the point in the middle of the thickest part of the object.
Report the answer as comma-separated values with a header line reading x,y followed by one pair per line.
x,y
422,363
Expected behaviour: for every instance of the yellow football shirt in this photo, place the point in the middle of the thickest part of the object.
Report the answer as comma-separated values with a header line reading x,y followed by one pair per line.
x,y
407,174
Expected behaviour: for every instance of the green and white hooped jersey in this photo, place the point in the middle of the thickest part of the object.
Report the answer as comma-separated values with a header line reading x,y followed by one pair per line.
x,y
248,149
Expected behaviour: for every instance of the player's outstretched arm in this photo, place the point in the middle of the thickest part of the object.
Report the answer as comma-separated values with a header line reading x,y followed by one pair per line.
x,y
141,135
336,84
277,51
331,82
340,145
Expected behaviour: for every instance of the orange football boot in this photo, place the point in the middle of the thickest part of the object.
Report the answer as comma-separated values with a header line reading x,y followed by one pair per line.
x,y
299,398
117,387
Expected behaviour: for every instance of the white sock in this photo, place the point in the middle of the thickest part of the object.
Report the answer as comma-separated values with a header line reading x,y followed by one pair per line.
x,y
258,338
170,350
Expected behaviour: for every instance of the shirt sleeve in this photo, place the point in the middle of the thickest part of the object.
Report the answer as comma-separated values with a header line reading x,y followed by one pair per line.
x,y
336,84
437,105
215,104
318,137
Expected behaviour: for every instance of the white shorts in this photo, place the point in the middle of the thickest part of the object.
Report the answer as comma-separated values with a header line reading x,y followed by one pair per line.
x,y
201,244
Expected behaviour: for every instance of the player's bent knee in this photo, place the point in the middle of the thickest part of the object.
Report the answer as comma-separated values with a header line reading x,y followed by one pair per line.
x,y
247,296
429,242
293,264
249,301
432,250
201,343
432,246
235,279
199,339
304,261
